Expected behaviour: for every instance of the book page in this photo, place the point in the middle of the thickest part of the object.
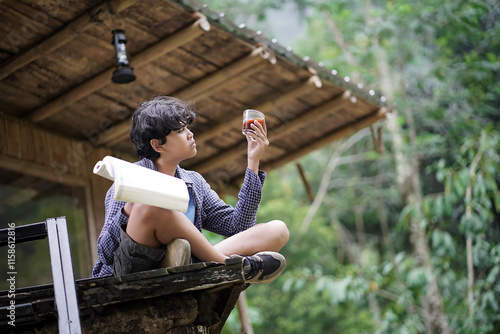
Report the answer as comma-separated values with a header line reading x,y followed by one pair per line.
x,y
138,184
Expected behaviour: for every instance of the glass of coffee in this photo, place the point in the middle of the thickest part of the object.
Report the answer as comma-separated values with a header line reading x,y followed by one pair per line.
x,y
249,116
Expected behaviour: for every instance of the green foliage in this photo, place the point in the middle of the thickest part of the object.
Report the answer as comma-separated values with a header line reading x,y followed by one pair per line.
x,y
445,65
33,258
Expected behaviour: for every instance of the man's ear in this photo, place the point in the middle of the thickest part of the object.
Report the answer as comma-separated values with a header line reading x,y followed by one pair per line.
x,y
155,144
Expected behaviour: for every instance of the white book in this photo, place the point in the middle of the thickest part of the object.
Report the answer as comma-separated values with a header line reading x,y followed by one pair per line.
x,y
137,184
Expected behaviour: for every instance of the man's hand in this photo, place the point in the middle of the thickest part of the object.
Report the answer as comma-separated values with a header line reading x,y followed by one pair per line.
x,y
257,144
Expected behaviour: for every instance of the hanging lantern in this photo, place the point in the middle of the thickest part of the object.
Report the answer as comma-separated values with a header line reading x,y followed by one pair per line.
x,y
123,72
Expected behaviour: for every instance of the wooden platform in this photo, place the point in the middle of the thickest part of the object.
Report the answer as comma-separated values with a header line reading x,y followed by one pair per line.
x,y
191,299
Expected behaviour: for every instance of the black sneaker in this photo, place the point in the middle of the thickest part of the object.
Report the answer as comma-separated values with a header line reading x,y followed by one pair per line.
x,y
263,267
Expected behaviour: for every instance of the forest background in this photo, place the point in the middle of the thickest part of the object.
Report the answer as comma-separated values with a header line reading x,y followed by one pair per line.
x,y
403,234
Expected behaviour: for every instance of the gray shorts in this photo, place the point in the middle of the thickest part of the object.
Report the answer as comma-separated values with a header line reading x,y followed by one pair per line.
x,y
130,257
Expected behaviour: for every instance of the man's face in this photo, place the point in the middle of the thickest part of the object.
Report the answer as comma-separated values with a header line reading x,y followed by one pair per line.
x,y
180,144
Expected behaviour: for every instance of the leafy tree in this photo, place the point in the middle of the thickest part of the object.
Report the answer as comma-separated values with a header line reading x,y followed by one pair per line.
x,y
382,255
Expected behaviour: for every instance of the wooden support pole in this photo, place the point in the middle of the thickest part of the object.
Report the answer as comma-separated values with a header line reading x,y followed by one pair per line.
x,y
246,323
238,70
104,78
306,183
329,107
94,16
312,83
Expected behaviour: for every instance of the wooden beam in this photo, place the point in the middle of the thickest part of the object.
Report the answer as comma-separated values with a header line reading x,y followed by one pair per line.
x,y
266,107
330,107
33,169
341,133
104,78
284,130
115,134
240,69
94,16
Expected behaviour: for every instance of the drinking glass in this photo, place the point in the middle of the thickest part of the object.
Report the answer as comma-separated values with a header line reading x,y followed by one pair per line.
x,y
249,116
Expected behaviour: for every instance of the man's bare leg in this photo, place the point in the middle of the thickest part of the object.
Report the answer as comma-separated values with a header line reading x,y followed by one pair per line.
x,y
152,226
271,236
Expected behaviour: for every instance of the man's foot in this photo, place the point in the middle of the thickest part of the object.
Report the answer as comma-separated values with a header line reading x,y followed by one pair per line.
x,y
178,253
262,267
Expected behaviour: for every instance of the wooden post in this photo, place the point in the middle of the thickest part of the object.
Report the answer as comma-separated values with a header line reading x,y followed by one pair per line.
x,y
246,323
306,183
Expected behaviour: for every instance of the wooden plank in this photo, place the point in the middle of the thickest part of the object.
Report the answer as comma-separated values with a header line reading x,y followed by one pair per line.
x,y
155,296
75,66
15,101
153,16
97,14
282,75
218,79
3,136
156,78
64,10
341,133
40,80
186,65
28,147
14,140
102,79
40,142
101,50
78,150
36,13
24,167
21,29
223,157
218,47
80,122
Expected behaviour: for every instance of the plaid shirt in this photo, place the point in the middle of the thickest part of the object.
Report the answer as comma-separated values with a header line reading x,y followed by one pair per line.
x,y
211,212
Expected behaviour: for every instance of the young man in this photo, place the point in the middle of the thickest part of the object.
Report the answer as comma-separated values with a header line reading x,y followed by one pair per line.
x,y
134,236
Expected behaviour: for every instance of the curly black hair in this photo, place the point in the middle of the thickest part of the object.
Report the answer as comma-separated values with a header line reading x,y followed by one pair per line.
x,y
155,119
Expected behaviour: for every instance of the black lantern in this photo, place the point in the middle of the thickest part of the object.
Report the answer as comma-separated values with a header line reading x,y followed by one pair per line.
x,y
123,73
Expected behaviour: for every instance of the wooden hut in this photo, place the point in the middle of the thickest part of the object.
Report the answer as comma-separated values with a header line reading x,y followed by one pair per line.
x,y
60,111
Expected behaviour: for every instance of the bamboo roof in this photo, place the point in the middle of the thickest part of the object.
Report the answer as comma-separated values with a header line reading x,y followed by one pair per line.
x,y
56,63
